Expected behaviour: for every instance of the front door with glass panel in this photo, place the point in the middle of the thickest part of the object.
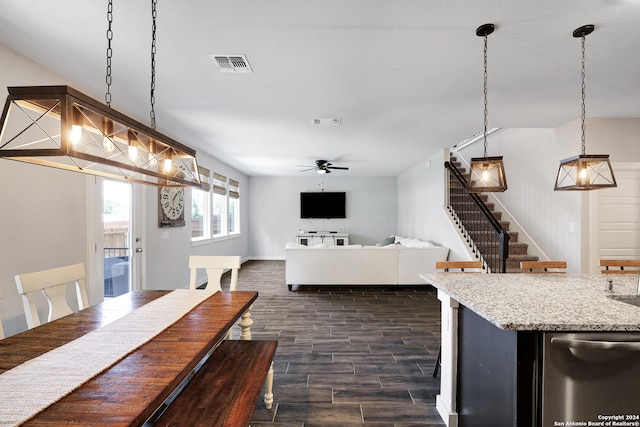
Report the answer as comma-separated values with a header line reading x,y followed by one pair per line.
x,y
117,244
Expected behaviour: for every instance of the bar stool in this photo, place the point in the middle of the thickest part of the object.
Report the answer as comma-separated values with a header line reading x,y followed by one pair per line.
x,y
620,265
446,266
543,266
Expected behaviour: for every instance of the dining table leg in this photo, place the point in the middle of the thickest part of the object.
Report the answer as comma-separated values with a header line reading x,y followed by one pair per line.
x,y
245,325
268,395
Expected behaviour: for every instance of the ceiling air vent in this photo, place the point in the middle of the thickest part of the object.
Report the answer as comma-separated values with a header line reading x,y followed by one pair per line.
x,y
232,63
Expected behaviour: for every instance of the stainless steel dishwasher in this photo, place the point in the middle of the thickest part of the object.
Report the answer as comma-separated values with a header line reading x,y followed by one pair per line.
x,y
591,379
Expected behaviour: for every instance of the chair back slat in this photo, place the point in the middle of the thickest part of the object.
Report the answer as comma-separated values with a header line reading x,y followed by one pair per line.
x,y
52,285
215,266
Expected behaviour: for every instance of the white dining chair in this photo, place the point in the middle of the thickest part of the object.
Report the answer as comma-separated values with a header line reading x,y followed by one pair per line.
x,y
215,267
52,285
1,330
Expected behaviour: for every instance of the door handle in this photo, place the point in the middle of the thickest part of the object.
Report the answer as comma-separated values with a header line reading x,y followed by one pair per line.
x,y
138,250
595,345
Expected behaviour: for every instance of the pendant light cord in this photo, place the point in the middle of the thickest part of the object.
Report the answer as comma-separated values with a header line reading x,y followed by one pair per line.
x,y
486,111
107,96
583,88
154,15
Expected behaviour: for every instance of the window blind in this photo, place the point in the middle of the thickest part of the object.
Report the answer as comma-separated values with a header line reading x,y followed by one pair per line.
x,y
219,184
205,176
234,189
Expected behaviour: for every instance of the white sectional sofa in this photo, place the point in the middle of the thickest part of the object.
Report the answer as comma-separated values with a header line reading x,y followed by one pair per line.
x,y
393,264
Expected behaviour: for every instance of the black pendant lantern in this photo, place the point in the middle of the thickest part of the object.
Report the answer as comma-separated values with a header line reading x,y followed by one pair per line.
x,y
486,174
584,171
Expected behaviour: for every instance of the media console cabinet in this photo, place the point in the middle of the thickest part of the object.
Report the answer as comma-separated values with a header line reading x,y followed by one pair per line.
x,y
329,238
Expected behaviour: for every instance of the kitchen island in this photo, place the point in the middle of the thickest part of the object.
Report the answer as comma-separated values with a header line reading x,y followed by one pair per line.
x,y
496,346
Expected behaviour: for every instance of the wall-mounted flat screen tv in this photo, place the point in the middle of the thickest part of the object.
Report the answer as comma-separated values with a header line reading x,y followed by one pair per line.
x,y
323,205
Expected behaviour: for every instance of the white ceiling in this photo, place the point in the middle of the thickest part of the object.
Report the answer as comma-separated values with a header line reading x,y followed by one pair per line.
x,y
405,76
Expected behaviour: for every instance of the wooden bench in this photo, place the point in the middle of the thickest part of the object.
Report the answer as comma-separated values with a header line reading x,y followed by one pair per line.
x,y
225,389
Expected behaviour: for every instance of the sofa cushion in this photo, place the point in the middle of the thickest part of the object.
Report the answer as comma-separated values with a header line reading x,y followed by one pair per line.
x,y
294,246
417,243
411,242
387,241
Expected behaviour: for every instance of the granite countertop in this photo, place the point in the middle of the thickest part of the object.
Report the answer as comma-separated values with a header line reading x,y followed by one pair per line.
x,y
545,302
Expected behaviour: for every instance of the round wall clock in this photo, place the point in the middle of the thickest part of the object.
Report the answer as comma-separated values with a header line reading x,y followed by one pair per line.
x,y
171,207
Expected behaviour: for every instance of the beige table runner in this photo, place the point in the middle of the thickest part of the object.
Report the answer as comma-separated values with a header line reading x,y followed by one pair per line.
x,y
36,384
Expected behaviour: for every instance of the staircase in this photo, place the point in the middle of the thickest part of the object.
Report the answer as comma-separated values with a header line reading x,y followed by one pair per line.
x,y
477,223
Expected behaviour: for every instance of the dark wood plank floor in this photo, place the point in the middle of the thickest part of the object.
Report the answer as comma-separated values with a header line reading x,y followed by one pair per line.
x,y
350,356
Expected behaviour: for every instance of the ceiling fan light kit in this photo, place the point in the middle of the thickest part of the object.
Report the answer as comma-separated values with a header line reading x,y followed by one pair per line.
x,y
486,174
323,167
584,172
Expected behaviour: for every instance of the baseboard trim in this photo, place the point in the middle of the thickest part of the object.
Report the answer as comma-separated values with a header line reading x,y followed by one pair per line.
x,y
264,258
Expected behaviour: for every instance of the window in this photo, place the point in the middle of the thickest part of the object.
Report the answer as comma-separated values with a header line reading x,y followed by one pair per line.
x,y
215,213
234,206
219,205
199,214
200,205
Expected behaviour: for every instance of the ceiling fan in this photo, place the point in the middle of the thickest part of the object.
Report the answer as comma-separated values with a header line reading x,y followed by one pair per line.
x,y
322,167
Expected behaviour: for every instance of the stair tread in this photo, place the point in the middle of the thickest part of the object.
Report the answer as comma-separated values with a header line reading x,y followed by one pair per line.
x,y
518,251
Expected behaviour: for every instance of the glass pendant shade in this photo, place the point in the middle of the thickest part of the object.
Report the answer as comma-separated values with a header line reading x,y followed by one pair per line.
x,y
585,172
486,174
37,124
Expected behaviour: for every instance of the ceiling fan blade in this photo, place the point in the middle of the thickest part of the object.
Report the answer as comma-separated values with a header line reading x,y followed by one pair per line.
x,y
337,167
311,168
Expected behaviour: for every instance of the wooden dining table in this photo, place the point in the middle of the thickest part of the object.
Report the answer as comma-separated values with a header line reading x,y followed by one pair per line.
x,y
130,391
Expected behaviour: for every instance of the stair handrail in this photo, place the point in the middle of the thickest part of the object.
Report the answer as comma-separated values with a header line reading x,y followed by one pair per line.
x,y
503,235
505,210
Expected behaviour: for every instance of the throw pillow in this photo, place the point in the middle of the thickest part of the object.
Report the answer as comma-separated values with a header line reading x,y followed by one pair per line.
x,y
388,241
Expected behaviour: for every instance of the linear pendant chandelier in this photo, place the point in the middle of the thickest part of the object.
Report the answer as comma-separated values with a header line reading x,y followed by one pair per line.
x,y
61,127
486,174
584,171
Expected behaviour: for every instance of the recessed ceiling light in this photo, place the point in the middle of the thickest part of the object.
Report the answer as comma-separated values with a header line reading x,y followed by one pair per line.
x,y
333,122
232,63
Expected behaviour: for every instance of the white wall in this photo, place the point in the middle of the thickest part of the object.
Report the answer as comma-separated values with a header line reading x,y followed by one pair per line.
x,y
42,220
421,201
167,261
274,216
42,226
